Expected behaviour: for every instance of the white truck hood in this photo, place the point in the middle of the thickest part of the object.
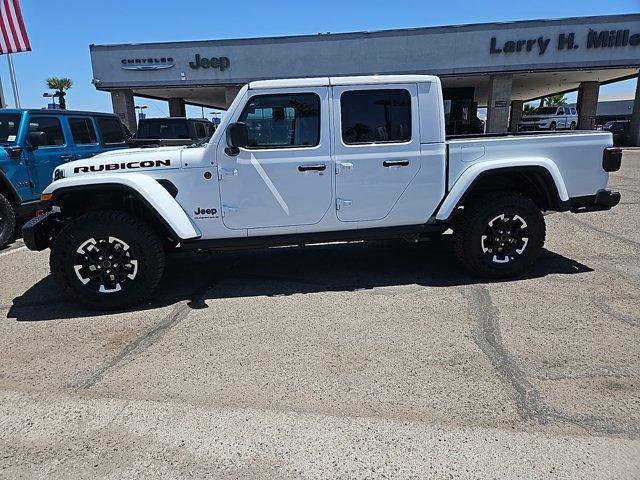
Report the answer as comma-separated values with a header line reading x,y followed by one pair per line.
x,y
123,161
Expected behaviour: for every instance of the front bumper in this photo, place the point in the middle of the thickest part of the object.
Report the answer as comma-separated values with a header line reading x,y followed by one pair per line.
x,y
531,127
603,200
38,232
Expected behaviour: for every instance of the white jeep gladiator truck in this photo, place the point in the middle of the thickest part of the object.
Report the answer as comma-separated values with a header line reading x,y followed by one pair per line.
x,y
315,160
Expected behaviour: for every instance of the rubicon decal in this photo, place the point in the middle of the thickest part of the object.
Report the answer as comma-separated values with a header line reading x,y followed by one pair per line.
x,y
109,167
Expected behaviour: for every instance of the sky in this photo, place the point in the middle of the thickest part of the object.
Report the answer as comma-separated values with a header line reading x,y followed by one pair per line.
x,y
61,32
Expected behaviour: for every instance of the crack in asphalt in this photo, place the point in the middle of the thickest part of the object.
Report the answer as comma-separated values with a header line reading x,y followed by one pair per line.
x,y
627,241
607,309
529,404
488,338
595,371
144,341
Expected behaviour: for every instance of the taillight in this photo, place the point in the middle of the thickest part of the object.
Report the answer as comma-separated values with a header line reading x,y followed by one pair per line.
x,y
612,159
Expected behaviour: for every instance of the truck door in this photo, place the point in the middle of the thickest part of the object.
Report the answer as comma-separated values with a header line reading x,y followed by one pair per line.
x,y
376,148
85,139
55,150
283,178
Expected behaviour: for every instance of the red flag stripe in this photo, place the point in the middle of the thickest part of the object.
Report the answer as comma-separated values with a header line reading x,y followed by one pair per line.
x,y
6,47
21,26
14,34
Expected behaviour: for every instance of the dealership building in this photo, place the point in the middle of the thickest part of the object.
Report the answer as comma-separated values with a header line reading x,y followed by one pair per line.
x,y
494,65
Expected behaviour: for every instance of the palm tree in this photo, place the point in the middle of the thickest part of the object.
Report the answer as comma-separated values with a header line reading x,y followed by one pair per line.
x,y
528,109
60,84
556,100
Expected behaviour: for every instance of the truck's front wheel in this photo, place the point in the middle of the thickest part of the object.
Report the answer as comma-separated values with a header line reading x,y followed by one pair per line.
x,y
499,235
107,260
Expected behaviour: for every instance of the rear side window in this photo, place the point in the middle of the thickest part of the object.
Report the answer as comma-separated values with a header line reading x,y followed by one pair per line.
x,y
82,131
573,111
200,130
375,116
280,121
111,130
52,129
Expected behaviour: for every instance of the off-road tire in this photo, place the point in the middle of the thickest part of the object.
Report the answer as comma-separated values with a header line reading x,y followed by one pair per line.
x,y
7,221
143,244
572,126
472,224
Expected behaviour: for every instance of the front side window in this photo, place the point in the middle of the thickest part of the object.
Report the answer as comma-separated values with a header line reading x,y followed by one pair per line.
x,y
375,116
52,129
9,124
111,130
82,131
280,121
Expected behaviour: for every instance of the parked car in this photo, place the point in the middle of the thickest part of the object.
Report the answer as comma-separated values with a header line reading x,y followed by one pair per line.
x,y
620,129
171,131
333,159
550,118
34,142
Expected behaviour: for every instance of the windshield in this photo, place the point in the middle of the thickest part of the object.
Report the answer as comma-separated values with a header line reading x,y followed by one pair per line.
x,y
160,128
9,124
545,111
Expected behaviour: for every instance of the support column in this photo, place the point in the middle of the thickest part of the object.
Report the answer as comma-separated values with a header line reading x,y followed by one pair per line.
x,y
498,103
516,114
124,107
634,130
177,107
587,105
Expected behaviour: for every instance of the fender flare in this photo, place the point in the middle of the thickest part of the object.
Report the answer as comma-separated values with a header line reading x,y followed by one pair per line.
x,y
147,189
470,175
6,185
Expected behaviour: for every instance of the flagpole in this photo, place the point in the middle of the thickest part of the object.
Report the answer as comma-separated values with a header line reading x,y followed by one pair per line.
x,y
3,104
14,84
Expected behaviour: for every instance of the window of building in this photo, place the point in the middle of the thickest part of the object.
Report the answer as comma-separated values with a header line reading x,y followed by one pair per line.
x,y
82,131
375,116
52,129
280,121
111,130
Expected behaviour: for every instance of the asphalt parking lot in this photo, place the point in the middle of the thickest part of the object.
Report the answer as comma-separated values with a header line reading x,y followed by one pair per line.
x,y
336,361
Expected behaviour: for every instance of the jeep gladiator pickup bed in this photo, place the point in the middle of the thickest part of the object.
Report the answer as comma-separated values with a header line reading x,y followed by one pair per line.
x,y
314,160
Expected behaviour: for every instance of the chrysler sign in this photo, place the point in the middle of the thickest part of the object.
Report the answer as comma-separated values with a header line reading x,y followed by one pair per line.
x,y
148,63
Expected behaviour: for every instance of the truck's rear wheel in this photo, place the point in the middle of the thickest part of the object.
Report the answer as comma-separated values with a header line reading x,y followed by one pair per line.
x,y
107,260
499,235
7,221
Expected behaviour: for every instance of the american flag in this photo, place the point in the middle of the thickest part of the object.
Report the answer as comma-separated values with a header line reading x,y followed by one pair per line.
x,y
13,34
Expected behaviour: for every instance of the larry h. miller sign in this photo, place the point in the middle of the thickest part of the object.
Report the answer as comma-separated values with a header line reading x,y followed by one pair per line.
x,y
567,41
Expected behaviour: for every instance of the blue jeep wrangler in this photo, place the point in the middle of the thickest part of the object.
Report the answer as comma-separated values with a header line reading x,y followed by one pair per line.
x,y
34,142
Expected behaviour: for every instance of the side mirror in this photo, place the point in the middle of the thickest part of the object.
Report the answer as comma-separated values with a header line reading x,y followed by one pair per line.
x,y
237,137
36,139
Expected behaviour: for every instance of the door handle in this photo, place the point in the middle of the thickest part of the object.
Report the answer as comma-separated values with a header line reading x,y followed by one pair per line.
x,y
66,158
308,168
395,163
